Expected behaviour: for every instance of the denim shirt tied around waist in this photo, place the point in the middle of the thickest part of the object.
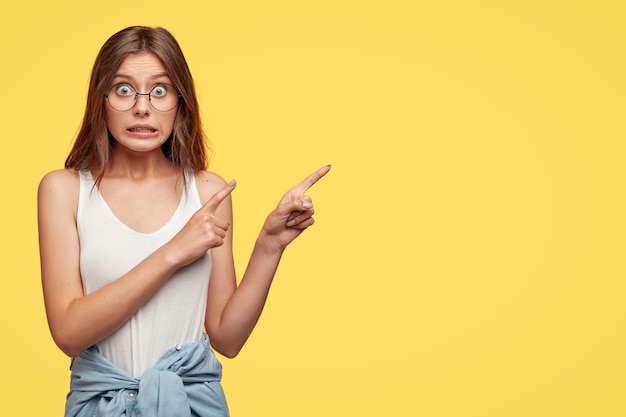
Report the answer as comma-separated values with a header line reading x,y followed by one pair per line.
x,y
184,382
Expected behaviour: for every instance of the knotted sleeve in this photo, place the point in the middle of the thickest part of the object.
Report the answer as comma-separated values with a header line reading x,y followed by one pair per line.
x,y
185,381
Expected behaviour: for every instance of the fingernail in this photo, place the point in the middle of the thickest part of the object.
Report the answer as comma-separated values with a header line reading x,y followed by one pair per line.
x,y
291,223
232,183
307,205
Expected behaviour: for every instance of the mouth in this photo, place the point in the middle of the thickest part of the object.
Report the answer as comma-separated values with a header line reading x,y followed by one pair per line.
x,y
141,130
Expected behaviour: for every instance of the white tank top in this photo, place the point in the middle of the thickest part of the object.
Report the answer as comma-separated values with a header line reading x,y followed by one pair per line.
x,y
109,249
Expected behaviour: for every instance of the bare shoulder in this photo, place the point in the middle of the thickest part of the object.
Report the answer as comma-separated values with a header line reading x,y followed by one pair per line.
x,y
60,180
59,185
208,183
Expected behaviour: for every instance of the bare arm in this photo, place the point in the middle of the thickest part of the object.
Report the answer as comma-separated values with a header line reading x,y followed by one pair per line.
x,y
78,321
232,312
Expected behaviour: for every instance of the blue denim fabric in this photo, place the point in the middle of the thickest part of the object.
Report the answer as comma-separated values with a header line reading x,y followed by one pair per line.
x,y
184,382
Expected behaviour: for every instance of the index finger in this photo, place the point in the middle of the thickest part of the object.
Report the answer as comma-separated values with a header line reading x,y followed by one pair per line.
x,y
310,180
216,199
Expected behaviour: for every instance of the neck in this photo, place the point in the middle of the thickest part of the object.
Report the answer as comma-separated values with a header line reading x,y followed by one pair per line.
x,y
135,165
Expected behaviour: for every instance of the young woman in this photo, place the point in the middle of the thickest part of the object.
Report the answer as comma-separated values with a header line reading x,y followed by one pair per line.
x,y
136,243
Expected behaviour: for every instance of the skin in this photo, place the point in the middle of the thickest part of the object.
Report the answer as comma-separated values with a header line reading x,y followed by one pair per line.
x,y
140,176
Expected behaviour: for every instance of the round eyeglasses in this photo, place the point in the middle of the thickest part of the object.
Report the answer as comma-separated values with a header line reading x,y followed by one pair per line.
x,y
162,97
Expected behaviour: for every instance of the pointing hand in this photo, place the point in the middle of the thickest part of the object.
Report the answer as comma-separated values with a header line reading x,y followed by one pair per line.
x,y
204,230
294,212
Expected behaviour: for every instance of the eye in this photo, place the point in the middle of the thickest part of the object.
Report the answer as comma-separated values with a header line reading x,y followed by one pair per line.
x,y
159,90
124,90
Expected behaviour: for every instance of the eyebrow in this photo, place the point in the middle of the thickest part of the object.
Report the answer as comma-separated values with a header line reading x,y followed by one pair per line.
x,y
154,77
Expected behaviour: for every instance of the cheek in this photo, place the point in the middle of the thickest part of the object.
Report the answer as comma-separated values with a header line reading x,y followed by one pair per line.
x,y
168,123
110,118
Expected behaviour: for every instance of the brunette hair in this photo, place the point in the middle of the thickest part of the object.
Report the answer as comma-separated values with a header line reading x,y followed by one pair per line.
x,y
186,145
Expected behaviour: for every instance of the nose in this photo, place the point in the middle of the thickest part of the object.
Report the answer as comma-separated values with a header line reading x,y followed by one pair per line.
x,y
142,103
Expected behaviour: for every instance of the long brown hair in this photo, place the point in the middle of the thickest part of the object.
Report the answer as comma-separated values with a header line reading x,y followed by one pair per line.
x,y
186,146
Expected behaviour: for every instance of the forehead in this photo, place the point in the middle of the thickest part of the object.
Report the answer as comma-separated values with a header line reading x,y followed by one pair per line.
x,y
141,65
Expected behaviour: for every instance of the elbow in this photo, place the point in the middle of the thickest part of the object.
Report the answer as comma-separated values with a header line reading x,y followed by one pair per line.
x,y
67,344
227,345
69,349
231,353
227,350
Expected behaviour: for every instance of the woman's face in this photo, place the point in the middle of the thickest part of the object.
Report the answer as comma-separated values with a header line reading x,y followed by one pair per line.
x,y
135,123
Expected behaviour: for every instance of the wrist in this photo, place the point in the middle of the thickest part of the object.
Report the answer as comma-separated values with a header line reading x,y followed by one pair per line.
x,y
269,244
170,257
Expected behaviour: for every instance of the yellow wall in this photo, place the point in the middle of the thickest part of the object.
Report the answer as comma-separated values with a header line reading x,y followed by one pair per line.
x,y
468,258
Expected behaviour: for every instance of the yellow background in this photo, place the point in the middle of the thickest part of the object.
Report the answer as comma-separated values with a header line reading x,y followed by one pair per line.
x,y
468,258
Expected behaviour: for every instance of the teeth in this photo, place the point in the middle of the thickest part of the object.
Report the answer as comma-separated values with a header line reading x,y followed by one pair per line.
x,y
141,130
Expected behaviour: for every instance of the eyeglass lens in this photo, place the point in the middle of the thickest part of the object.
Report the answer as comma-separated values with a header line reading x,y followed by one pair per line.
x,y
162,97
